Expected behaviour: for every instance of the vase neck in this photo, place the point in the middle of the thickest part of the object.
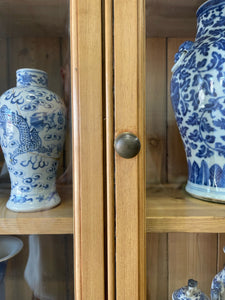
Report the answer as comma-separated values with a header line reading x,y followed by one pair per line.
x,y
31,77
211,19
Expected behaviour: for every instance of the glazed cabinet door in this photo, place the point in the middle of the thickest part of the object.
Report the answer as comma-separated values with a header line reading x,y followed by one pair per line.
x,y
36,225
129,134
165,236
108,88
63,255
88,149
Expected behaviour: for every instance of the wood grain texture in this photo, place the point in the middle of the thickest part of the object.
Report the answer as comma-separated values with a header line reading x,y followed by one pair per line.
x,y
109,138
58,220
129,180
141,97
174,18
56,259
33,18
170,209
191,256
39,53
157,266
221,254
3,79
177,164
4,66
87,126
156,110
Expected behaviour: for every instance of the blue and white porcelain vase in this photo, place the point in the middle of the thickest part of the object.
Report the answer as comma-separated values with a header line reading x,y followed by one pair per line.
x,y
218,285
198,99
189,292
32,130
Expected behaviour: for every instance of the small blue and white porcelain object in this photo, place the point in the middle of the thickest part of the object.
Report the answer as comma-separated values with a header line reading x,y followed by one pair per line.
x,y
32,130
189,292
218,285
9,247
198,99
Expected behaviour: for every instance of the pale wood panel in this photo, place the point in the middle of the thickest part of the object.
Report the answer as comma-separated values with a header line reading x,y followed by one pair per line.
x,y
177,164
170,209
4,66
33,18
15,284
87,126
157,266
40,53
141,101
221,254
56,274
109,138
156,109
3,79
191,256
129,116
58,220
174,18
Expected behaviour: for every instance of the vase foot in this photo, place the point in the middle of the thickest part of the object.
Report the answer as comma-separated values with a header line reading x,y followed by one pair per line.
x,y
25,203
207,193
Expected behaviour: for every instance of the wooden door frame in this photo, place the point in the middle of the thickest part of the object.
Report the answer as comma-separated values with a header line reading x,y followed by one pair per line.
x,y
91,148
88,158
129,108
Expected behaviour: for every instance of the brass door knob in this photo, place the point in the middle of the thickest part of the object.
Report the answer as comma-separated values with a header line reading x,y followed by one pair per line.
x,y
127,145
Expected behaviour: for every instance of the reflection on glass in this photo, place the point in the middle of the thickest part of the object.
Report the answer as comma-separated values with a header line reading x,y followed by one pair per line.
x,y
43,269
47,271
35,34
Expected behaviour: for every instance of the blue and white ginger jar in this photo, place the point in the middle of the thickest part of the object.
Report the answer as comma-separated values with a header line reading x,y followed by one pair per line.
x,y
189,292
198,99
218,285
32,130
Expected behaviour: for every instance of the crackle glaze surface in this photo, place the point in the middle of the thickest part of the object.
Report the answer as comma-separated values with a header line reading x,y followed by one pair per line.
x,y
32,129
198,99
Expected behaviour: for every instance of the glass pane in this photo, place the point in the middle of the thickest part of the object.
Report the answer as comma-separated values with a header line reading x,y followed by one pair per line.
x,y
35,153
178,247
43,269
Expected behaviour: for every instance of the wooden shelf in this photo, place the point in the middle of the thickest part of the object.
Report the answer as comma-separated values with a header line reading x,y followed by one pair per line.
x,y
170,209
58,220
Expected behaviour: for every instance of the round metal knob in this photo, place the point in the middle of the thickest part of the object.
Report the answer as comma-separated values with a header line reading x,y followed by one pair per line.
x,y
127,145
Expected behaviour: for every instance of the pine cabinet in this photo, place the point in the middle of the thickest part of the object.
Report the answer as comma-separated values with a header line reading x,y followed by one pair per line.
x,y
136,233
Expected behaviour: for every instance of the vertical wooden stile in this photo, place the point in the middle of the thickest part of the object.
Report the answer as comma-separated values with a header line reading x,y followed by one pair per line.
x,y
129,68
109,138
87,120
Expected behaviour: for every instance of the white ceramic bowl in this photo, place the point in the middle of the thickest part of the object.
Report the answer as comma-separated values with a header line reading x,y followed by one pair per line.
x,y
9,247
